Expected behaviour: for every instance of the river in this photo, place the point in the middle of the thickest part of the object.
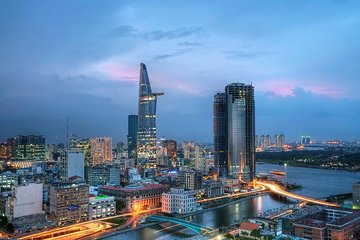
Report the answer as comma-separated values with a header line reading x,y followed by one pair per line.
x,y
317,183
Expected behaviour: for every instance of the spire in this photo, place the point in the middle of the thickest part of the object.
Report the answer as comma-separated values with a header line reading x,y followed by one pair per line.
x,y
144,86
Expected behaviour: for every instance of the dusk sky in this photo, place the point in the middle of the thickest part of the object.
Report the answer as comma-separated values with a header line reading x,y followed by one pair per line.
x,y
80,59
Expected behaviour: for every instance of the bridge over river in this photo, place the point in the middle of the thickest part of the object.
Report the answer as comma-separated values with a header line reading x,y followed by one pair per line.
x,y
279,190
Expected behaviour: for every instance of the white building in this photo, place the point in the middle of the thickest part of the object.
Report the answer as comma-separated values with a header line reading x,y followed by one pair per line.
x,y
179,201
76,163
26,200
72,164
101,206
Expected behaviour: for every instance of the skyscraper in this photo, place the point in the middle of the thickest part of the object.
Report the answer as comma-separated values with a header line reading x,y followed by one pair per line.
x,y
220,134
234,114
101,150
304,140
146,135
279,140
30,147
132,135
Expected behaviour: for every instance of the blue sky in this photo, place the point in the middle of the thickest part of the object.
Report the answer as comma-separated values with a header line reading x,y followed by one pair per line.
x,y
80,59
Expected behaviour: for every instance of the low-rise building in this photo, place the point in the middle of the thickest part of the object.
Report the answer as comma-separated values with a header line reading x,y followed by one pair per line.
x,y
101,206
246,228
179,201
137,196
69,202
231,185
328,224
213,189
288,220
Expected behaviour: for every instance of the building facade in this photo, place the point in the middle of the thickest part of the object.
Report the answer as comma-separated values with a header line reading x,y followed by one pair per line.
x,y
31,147
8,180
323,223
81,144
101,150
146,135
237,118
213,189
72,163
179,201
137,196
97,175
26,200
191,179
132,135
69,202
101,206
220,133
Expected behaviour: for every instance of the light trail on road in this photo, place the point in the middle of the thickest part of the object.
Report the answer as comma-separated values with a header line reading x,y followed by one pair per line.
x,y
278,189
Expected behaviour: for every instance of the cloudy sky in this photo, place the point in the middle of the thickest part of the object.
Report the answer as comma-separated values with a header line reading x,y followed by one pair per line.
x,y
80,59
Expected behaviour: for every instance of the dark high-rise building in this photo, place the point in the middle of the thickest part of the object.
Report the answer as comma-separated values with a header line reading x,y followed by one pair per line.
x,y
220,134
132,135
30,147
11,142
235,115
146,136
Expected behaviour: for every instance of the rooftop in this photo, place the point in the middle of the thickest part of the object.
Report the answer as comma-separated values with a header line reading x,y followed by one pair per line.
x,y
304,212
248,226
136,187
355,216
311,223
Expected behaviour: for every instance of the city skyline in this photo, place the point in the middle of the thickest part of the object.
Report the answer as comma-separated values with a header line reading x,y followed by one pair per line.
x,y
299,88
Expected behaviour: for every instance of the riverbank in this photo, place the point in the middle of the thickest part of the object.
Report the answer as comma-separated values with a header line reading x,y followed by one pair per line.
x,y
294,164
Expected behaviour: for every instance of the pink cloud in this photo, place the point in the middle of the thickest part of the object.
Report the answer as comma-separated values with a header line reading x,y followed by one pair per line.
x,y
114,70
286,88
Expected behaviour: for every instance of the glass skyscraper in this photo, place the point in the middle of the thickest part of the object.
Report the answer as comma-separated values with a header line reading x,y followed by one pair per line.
x,y
30,147
234,114
132,135
220,133
146,136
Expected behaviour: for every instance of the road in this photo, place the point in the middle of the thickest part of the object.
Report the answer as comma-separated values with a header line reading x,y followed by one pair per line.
x,y
82,229
261,189
279,190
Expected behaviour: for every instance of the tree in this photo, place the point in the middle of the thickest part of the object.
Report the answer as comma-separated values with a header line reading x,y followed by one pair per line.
x,y
10,228
229,236
255,233
3,221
